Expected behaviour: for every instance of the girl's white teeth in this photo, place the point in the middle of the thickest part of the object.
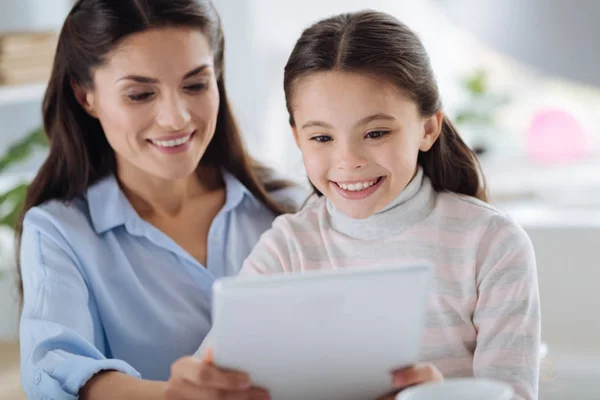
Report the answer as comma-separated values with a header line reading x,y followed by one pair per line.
x,y
354,187
171,143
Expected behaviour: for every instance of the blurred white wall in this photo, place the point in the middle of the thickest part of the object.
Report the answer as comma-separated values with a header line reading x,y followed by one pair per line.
x,y
554,36
38,15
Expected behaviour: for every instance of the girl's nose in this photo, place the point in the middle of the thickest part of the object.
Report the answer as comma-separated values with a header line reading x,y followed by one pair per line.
x,y
350,157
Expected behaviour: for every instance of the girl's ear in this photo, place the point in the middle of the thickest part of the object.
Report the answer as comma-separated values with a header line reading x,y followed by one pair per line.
x,y
432,127
295,132
85,99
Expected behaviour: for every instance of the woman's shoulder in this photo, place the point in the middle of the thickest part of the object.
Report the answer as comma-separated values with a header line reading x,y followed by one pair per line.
x,y
68,218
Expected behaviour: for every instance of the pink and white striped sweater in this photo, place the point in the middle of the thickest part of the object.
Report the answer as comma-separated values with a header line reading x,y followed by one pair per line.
x,y
483,313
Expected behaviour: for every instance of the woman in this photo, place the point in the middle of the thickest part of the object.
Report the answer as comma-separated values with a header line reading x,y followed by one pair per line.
x,y
147,197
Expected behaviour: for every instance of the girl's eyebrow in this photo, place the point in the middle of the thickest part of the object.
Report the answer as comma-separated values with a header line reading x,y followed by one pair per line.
x,y
319,124
375,117
364,121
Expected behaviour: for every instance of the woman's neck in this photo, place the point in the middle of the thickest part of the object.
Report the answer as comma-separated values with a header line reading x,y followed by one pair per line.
x,y
154,196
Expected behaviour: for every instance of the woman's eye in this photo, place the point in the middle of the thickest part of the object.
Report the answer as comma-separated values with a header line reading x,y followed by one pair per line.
x,y
376,134
198,87
321,138
139,97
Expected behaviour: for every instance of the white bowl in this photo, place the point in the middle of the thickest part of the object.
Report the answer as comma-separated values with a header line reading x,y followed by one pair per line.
x,y
460,389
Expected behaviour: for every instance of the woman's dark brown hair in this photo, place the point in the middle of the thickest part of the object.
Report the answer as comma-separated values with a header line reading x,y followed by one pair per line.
x,y
378,44
79,152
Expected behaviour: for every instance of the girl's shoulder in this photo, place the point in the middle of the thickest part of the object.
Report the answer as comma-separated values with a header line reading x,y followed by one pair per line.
x,y
309,216
476,217
495,232
291,197
468,204
463,207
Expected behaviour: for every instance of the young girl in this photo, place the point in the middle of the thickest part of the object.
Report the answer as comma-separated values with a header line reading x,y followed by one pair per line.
x,y
397,186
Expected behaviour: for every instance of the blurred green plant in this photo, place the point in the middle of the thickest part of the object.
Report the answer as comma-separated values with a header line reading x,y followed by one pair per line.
x,y
12,200
478,111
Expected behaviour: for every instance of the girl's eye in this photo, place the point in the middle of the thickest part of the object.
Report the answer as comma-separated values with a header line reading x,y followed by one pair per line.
x,y
198,87
140,97
376,134
321,138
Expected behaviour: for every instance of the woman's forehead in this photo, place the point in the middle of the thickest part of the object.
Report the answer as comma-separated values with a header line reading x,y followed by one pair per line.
x,y
162,52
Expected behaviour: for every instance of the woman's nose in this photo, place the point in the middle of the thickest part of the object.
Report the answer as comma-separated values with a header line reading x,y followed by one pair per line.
x,y
173,114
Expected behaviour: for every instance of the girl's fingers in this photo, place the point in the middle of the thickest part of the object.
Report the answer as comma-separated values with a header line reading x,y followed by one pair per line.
x,y
416,374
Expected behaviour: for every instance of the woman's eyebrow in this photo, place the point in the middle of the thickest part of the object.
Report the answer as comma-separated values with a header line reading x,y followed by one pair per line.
x,y
146,79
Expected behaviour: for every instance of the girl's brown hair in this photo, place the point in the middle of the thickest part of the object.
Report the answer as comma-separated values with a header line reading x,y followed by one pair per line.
x,y
378,44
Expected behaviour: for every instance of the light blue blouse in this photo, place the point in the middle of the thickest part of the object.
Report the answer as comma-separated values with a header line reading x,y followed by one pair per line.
x,y
105,289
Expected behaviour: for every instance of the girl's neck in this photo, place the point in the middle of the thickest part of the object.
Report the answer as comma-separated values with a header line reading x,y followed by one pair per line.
x,y
412,205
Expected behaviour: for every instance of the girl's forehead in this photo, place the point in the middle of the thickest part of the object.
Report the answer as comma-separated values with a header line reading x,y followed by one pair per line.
x,y
348,92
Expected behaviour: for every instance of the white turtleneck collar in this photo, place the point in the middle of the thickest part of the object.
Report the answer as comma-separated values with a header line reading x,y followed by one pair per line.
x,y
412,205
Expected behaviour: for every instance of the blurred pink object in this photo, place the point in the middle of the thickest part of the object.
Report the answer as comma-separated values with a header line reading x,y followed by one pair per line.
x,y
556,136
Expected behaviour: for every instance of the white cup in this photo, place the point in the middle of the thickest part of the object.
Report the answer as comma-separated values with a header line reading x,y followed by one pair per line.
x,y
459,389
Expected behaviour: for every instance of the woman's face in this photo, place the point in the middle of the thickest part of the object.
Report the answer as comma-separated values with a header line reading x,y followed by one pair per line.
x,y
157,101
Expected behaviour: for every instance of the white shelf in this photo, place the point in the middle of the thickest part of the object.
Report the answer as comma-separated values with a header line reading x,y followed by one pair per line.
x,y
518,175
21,93
543,196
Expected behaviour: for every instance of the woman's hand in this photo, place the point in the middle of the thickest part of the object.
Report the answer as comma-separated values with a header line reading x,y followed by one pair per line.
x,y
194,379
414,375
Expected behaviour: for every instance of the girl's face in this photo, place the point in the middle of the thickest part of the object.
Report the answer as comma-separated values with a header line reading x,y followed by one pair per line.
x,y
359,137
157,101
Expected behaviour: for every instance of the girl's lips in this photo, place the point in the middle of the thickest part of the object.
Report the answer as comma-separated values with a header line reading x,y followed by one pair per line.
x,y
359,194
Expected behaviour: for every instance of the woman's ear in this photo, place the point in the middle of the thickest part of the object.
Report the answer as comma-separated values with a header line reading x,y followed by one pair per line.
x,y
432,127
85,99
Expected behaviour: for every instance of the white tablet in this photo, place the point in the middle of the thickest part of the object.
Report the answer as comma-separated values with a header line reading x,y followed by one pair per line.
x,y
326,335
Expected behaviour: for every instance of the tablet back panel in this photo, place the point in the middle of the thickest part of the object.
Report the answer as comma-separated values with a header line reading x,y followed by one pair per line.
x,y
331,335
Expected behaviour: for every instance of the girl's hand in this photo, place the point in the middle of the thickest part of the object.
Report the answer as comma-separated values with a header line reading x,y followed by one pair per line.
x,y
194,379
414,375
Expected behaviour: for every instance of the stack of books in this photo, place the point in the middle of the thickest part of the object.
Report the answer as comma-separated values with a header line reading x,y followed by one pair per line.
x,y
26,57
